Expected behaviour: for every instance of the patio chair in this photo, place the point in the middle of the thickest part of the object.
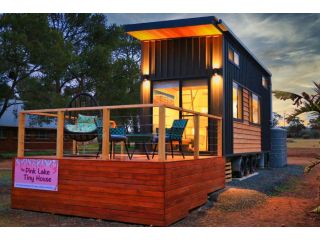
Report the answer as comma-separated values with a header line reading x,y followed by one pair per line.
x,y
173,134
80,125
117,134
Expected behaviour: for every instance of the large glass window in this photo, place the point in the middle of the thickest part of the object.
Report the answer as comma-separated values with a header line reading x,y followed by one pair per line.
x,y
166,92
195,97
254,109
237,101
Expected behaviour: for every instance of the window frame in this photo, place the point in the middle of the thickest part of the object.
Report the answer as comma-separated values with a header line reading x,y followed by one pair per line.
x,y
251,108
234,52
239,101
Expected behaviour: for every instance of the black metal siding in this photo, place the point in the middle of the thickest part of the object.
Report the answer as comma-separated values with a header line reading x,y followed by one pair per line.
x,y
248,74
179,58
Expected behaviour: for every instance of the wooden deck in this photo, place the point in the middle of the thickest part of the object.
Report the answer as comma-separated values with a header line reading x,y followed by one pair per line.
x,y
136,191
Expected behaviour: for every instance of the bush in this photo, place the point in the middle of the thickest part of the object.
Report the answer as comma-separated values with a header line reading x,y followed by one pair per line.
x,y
310,134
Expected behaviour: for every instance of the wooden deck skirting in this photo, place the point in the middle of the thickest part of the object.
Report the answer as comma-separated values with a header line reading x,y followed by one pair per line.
x,y
155,193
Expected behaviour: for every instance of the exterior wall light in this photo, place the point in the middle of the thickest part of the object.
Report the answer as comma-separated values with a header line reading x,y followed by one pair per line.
x,y
216,76
217,71
146,84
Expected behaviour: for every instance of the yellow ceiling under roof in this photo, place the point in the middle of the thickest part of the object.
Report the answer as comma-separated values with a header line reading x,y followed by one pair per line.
x,y
175,32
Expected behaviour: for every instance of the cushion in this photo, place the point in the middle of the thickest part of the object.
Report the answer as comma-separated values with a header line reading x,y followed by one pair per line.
x,y
86,123
81,128
86,119
118,138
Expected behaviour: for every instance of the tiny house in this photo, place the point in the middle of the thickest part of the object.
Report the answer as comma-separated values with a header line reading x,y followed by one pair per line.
x,y
191,69
199,64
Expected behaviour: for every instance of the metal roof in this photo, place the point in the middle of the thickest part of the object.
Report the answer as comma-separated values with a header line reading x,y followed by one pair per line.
x,y
165,27
10,117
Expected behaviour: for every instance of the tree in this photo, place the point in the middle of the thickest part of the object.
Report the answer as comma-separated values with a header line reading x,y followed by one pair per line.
x,y
276,117
47,58
295,127
304,103
24,40
88,46
314,123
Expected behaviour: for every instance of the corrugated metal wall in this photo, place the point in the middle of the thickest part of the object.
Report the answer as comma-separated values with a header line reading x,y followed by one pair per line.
x,y
249,74
178,58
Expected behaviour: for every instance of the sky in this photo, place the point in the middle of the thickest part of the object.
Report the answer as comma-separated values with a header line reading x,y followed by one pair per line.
x,y
288,44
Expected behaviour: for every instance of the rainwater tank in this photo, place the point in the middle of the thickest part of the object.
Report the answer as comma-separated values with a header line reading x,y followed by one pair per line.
x,y
278,155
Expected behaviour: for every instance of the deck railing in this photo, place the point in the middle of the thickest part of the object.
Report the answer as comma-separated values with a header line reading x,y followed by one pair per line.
x,y
60,115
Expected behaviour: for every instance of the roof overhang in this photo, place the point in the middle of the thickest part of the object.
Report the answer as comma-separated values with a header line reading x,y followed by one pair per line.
x,y
191,27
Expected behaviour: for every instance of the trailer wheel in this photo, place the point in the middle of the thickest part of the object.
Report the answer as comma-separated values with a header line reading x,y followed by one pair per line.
x,y
246,166
238,167
254,164
251,161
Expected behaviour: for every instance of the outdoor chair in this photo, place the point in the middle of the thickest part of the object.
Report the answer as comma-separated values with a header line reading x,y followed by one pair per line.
x,y
117,134
173,134
80,125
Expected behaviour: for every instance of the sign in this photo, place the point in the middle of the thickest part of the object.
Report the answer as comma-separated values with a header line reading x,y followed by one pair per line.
x,y
41,174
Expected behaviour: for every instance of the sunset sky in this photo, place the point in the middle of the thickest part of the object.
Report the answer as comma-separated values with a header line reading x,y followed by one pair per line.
x,y
288,44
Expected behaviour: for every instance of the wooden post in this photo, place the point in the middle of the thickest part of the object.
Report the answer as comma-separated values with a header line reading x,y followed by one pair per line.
x,y
74,147
162,134
196,136
60,132
219,137
21,135
105,134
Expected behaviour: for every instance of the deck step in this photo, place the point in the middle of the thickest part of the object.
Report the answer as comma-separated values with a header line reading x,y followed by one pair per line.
x,y
228,171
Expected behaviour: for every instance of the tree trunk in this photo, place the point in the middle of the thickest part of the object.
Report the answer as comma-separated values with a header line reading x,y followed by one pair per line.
x,y
4,106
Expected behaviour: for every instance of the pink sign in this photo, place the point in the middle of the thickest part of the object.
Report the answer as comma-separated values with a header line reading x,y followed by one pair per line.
x,y
39,174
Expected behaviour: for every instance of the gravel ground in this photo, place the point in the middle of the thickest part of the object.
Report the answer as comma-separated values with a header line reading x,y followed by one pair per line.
x,y
270,180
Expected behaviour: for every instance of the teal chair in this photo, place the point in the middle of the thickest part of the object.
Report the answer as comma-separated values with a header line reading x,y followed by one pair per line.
x,y
173,134
117,134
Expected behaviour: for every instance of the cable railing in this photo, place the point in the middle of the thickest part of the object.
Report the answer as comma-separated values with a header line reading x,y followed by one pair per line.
x,y
148,130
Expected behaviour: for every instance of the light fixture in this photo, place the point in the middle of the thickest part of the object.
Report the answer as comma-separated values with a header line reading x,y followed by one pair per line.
x,y
145,82
217,71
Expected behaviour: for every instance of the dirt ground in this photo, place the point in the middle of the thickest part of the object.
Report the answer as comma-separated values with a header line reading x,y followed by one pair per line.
x,y
288,205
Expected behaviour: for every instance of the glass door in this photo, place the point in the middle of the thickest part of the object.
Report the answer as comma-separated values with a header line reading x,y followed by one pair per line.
x,y
166,92
195,97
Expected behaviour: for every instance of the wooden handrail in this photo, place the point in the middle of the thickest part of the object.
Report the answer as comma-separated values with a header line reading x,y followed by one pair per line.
x,y
91,108
60,114
42,111
193,112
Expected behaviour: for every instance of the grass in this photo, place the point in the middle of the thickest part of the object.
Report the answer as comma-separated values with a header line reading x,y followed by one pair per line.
x,y
5,184
303,143
10,155
5,177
